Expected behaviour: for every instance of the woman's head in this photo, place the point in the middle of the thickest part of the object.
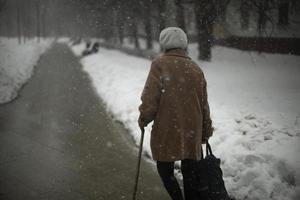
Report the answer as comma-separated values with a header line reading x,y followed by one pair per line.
x,y
173,38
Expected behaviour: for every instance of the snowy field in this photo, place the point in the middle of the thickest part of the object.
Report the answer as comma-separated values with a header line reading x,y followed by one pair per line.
x,y
17,64
255,107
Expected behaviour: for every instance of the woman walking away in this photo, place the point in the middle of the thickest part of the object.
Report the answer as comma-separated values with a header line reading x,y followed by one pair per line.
x,y
175,97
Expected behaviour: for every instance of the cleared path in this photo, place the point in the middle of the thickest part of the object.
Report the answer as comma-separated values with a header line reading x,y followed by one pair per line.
x,y
57,141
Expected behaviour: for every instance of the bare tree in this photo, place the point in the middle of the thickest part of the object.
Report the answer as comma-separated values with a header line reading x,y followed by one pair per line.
x,y
180,17
23,20
146,7
38,19
220,10
18,6
132,16
245,7
120,21
26,19
295,6
264,11
205,13
161,14
134,32
43,18
170,13
283,12
2,7
262,15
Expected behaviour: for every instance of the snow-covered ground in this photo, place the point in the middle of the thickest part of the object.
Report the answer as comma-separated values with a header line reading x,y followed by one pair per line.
x,y
17,64
255,107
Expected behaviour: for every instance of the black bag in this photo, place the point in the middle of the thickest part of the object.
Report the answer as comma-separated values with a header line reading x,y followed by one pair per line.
x,y
207,178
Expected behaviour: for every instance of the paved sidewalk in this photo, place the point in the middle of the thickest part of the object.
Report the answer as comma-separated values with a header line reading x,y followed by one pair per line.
x,y
57,141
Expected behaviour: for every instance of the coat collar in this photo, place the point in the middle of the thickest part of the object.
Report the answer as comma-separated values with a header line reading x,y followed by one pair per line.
x,y
176,52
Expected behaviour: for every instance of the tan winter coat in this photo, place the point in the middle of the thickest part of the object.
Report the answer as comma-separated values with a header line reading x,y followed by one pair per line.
x,y
175,97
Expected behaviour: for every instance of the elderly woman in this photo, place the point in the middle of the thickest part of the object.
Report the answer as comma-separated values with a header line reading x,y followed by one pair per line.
x,y
175,97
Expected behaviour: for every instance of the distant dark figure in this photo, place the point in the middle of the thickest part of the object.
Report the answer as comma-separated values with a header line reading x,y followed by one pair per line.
x,y
175,97
95,48
91,48
88,44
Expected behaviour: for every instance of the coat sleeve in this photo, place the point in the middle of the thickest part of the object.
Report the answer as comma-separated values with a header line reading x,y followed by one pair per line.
x,y
207,123
150,95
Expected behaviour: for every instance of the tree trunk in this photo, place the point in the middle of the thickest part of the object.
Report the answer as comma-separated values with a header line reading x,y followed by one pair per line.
x,y
205,41
147,23
43,9
18,22
180,14
44,23
23,14
283,13
120,22
134,22
205,16
26,18
30,23
2,7
8,25
107,25
262,18
38,20
135,34
162,14
244,10
220,7
170,13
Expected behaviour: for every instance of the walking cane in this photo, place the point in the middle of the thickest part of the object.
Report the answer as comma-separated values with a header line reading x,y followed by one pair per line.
x,y
138,164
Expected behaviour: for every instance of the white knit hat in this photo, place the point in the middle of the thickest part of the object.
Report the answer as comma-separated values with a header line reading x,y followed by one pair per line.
x,y
173,37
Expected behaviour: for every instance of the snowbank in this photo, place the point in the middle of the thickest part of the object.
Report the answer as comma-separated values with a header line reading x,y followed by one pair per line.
x,y
17,63
255,108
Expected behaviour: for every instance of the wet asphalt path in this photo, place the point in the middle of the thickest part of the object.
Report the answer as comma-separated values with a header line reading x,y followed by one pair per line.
x,y
57,141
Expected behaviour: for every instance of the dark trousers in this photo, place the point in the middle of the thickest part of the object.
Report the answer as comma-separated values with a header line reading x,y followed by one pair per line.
x,y
166,173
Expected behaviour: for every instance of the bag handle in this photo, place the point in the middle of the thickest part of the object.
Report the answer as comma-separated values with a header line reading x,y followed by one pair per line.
x,y
208,150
